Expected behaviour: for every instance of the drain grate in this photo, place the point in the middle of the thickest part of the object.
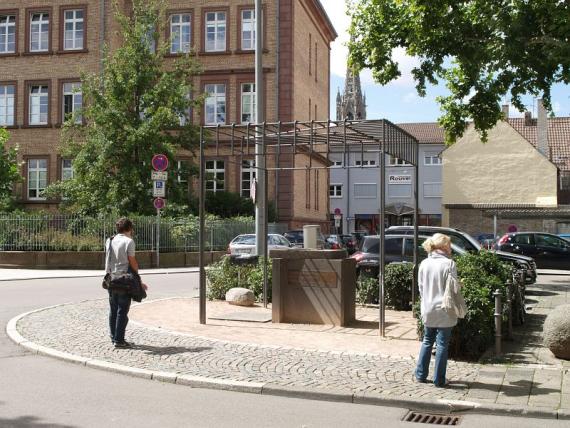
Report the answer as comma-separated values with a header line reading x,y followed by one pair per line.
x,y
432,418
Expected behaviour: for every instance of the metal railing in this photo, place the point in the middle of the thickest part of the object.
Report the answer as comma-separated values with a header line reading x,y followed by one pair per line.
x,y
77,233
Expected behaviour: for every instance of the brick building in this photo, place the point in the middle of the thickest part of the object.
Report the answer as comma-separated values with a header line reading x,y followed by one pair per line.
x,y
46,45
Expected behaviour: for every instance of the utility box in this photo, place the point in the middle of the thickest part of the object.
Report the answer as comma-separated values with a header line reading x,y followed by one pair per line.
x,y
310,236
313,287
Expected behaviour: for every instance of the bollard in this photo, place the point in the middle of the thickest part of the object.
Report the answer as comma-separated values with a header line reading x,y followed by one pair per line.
x,y
510,291
498,321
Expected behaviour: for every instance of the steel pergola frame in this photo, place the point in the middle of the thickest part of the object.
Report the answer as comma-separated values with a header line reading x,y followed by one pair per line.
x,y
315,140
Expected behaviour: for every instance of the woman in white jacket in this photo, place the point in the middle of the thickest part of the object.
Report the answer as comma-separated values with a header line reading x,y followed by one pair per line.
x,y
438,323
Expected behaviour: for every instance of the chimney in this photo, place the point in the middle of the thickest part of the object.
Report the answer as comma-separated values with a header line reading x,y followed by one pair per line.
x,y
527,118
542,130
505,109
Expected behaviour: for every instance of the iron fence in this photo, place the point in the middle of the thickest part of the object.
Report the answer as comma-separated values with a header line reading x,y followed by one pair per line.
x,y
77,233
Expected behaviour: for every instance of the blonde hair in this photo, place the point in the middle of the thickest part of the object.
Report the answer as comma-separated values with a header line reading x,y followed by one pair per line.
x,y
437,242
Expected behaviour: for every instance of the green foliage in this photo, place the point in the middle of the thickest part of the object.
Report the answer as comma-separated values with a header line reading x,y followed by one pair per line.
x,y
483,49
132,111
9,172
398,278
224,275
228,204
367,290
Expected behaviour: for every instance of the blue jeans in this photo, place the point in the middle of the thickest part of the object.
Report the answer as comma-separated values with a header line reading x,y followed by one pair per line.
x,y
431,335
118,319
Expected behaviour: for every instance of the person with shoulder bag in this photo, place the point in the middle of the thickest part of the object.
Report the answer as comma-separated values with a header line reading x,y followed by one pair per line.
x,y
122,280
441,306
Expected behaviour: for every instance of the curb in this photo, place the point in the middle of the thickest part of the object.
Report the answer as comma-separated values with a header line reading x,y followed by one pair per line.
x,y
99,275
441,405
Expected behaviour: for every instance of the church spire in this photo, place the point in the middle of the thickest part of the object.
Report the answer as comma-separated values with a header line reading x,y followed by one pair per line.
x,y
352,104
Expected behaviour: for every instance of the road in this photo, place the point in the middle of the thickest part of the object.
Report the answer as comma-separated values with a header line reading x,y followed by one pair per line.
x,y
38,391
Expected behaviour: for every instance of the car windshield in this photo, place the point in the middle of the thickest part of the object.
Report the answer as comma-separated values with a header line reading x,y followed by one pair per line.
x,y
371,245
245,240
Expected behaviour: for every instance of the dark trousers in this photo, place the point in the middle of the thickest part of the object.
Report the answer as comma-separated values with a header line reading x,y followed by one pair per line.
x,y
119,303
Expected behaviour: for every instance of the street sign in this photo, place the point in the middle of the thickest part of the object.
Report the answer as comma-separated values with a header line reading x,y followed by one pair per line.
x,y
159,189
159,162
159,175
337,211
159,203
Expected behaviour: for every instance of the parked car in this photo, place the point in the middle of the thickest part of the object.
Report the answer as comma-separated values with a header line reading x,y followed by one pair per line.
x,y
296,238
398,248
359,236
468,243
245,244
548,250
350,243
333,242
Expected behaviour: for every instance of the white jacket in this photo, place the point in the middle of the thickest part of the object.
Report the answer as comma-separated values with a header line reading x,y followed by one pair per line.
x,y
431,282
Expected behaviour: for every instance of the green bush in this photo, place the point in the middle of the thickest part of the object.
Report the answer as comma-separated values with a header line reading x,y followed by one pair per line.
x,y
224,275
398,279
481,274
367,290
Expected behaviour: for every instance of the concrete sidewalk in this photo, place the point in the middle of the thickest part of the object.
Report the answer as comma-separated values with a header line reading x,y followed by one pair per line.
x,y
26,274
323,362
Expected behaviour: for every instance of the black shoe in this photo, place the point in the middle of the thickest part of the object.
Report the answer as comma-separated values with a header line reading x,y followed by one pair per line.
x,y
123,344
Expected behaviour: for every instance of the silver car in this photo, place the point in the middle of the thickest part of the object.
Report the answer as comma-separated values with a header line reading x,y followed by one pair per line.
x,y
245,244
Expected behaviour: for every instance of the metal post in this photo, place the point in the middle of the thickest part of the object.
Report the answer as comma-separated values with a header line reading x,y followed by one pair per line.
x,y
498,321
202,215
495,226
157,238
265,230
510,288
416,223
381,246
260,206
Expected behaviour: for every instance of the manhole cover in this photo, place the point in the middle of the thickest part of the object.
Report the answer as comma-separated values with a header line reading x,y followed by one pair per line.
x,y
431,418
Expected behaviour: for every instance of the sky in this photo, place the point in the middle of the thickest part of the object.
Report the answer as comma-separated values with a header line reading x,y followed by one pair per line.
x,y
398,101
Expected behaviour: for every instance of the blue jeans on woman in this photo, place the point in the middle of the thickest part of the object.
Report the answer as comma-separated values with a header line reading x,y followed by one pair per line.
x,y
120,303
441,336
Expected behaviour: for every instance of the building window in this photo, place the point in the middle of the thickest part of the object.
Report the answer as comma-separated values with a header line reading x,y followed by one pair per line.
x,y
39,32
310,109
180,33
7,34
432,190
7,102
335,190
38,105
182,171
74,30
365,191
316,63
310,53
248,29
317,190
66,169
37,178
215,176
337,163
431,159
185,118
215,31
72,101
308,189
394,161
248,105
365,162
215,103
247,177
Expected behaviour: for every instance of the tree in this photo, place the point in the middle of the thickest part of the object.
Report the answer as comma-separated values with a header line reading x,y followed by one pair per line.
x,y
132,110
9,171
483,49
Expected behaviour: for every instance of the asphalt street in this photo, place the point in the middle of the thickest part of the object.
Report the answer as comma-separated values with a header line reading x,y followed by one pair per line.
x,y
39,391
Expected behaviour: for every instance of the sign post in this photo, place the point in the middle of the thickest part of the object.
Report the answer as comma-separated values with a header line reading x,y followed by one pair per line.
x,y
159,177
337,219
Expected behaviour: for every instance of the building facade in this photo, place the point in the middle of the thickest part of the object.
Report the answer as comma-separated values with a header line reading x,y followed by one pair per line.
x,y
46,46
355,192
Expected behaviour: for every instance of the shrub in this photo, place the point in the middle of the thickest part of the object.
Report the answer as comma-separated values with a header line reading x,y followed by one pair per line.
x,y
398,279
224,275
367,290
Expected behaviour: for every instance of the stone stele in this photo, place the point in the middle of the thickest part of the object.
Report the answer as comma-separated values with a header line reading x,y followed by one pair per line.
x,y
240,297
557,332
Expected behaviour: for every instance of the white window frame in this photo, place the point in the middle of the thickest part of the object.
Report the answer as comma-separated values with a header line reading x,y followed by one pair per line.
x,y
365,162
364,197
214,101
219,167
186,118
77,38
219,27
335,190
432,182
248,168
73,90
36,27
248,102
248,44
432,156
337,163
66,169
179,164
7,105
40,177
36,101
8,29
395,161
176,33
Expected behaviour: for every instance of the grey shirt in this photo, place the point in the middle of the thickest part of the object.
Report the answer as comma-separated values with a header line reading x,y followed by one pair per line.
x,y
121,248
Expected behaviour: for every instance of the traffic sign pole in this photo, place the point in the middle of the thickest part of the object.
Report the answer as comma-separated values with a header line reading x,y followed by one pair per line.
x,y
159,177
